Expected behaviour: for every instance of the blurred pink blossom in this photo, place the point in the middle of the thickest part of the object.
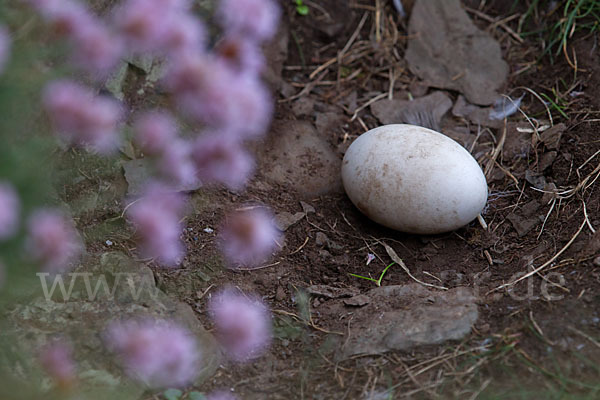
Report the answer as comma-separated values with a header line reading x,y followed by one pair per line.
x,y
221,395
208,89
81,117
56,359
243,55
52,240
96,49
142,23
159,26
153,130
5,45
9,210
156,217
158,353
242,324
175,163
255,18
249,237
184,33
221,159
65,16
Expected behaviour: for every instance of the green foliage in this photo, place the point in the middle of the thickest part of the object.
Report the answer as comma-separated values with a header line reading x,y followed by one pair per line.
x,y
301,8
377,281
172,394
573,16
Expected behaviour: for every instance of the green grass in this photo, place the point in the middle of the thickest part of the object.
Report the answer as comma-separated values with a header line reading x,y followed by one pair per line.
x,y
571,16
377,281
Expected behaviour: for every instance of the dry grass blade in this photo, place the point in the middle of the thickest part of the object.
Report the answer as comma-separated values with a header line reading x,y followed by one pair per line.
x,y
544,265
399,261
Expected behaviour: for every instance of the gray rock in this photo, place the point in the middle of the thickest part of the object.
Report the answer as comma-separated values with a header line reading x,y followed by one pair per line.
x,y
448,51
96,293
297,156
138,172
286,219
425,111
403,317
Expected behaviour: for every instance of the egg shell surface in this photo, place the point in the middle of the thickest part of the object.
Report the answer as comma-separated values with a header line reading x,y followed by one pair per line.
x,y
413,179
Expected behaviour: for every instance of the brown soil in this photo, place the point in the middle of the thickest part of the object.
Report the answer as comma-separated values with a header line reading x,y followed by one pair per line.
x,y
539,343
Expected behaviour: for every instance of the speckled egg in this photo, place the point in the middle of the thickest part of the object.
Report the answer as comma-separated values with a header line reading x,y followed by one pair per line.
x,y
413,179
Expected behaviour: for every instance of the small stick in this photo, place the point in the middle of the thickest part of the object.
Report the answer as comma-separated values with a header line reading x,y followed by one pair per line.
x,y
482,222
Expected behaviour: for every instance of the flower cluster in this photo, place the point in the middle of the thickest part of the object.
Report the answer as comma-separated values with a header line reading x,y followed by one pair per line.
x,y
157,352
156,216
242,324
82,118
56,359
221,90
4,47
96,48
9,210
52,240
248,238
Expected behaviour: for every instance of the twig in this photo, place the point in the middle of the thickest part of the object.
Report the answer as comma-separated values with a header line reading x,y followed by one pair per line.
x,y
544,265
399,261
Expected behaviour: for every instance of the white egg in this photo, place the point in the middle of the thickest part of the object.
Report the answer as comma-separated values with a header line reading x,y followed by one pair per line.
x,y
413,179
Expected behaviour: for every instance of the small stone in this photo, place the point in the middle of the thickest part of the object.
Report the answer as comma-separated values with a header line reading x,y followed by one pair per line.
x,y
597,261
280,294
321,239
358,301
285,219
547,160
316,303
551,137
307,208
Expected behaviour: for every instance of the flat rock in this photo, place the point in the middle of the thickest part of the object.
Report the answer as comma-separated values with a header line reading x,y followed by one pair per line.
x,y
551,137
286,219
138,174
81,316
296,156
331,292
448,51
403,317
475,114
526,218
424,111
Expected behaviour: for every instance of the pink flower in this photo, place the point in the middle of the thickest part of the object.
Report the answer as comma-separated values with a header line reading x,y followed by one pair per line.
x,y
9,210
96,49
255,18
241,54
184,33
82,118
156,216
242,324
221,395
159,26
249,237
4,47
158,353
52,240
153,131
220,159
56,359
65,16
142,23
208,89
175,163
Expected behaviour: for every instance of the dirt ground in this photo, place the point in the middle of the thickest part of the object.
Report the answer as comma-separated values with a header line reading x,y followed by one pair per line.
x,y
542,343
